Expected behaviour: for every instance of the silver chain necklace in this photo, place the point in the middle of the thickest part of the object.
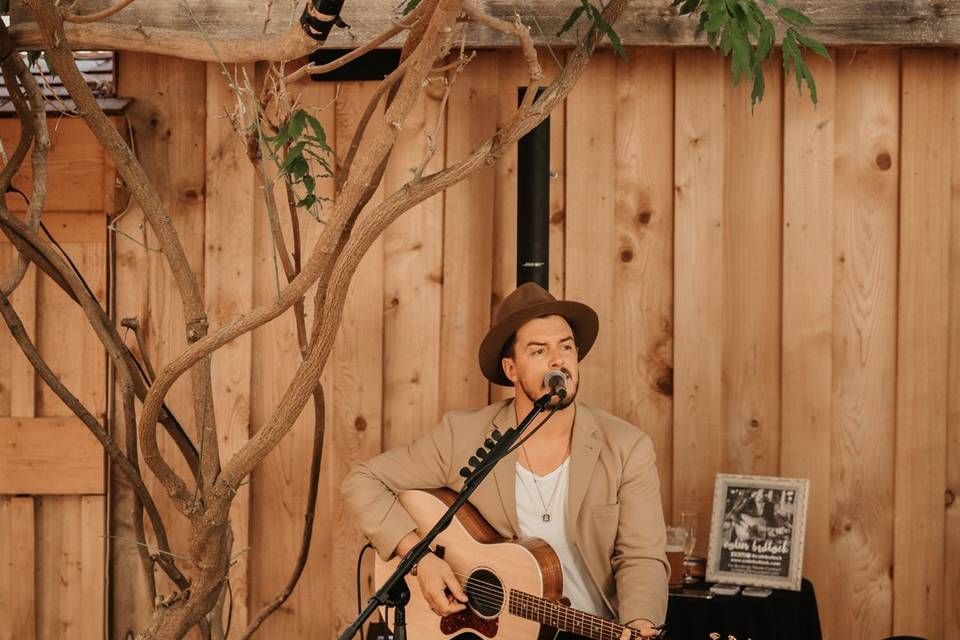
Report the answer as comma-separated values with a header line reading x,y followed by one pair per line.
x,y
546,505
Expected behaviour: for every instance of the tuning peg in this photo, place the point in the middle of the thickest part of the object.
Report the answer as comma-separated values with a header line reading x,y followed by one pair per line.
x,y
488,443
481,453
465,472
473,462
496,435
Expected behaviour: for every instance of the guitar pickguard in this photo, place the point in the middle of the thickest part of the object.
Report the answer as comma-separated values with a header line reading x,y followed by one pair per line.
x,y
467,620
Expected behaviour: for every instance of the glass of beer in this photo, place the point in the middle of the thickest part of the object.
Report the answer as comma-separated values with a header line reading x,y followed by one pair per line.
x,y
676,539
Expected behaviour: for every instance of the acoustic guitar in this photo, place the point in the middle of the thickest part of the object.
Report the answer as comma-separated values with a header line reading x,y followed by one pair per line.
x,y
513,587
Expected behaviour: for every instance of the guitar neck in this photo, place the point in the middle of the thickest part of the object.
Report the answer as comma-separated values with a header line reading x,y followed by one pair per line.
x,y
556,615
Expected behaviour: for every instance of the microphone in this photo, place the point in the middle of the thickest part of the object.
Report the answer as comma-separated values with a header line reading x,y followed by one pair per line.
x,y
556,381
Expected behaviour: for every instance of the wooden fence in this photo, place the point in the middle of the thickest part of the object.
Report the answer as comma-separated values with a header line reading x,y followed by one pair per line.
x,y
779,293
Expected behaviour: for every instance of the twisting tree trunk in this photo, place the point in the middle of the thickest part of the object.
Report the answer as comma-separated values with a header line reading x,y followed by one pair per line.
x,y
205,498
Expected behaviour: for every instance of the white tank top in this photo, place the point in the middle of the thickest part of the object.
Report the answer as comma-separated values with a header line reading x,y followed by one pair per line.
x,y
552,499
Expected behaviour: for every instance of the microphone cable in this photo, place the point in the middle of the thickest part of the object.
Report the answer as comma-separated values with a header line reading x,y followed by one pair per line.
x,y
359,563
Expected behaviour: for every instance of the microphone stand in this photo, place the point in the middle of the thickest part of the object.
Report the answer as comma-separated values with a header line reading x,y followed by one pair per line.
x,y
395,592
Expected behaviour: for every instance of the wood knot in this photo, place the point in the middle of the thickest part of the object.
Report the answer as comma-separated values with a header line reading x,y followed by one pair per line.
x,y
644,217
754,423
558,216
360,424
884,161
664,383
949,497
626,255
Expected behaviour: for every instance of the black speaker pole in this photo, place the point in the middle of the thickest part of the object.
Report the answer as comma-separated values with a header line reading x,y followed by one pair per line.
x,y
533,204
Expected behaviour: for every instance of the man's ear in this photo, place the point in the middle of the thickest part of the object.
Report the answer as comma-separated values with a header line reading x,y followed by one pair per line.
x,y
509,368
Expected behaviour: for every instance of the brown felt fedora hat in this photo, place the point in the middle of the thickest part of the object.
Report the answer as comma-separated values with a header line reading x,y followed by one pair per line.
x,y
527,302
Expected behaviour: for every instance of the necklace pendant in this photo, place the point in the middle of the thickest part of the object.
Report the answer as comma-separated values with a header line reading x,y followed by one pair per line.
x,y
546,517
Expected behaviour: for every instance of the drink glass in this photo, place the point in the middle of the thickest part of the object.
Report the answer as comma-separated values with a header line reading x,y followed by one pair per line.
x,y
688,522
676,538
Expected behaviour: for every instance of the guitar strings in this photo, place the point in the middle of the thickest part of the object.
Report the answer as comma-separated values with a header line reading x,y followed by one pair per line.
x,y
496,596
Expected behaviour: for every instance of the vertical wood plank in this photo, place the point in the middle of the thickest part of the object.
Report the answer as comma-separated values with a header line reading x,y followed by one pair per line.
x,y
928,101
558,190
23,378
752,232
643,276
228,278
61,608
356,394
864,340
951,550
169,124
17,568
412,288
591,251
807,371
92,566
698,277
468,238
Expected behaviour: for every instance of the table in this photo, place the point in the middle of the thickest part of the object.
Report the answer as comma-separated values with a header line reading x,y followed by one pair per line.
x,y
783,615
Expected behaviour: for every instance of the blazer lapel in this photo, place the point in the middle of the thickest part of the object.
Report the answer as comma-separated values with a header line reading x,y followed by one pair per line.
x,y
584,451
505,472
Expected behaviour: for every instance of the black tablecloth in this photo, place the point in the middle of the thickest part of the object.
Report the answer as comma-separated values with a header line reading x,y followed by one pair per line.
x,y
783,615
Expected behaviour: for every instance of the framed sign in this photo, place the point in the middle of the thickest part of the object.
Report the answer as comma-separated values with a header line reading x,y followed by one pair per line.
x,y
756,531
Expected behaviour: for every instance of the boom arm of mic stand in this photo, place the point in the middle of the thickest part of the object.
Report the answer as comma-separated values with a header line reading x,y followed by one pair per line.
x,y
383,595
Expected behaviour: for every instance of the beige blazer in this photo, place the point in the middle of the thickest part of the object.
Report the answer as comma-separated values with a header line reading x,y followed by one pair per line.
x,y
613,501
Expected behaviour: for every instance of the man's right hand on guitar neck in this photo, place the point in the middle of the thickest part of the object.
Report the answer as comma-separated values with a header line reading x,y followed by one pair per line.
x,y
439,585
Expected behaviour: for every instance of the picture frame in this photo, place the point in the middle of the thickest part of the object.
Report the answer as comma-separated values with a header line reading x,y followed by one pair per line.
x,y
757,530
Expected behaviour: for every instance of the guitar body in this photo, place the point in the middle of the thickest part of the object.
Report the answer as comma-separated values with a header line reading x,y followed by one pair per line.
x,y
493,565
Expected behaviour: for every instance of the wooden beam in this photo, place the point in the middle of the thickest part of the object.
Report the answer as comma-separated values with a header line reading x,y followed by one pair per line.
x,y
243,31
49,456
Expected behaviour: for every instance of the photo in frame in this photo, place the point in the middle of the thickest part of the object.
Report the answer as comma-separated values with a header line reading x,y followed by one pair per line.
x,y
757,530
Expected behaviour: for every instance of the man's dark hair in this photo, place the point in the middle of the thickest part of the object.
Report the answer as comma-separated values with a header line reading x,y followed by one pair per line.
x,y
508,348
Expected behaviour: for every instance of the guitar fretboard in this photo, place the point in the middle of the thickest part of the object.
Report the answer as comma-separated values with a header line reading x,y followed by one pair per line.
x,y
564,618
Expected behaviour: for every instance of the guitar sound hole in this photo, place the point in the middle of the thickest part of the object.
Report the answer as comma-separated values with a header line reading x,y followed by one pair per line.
x,y
485,593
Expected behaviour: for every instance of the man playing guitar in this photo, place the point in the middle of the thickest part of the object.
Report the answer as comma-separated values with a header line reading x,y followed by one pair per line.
x,y
586,483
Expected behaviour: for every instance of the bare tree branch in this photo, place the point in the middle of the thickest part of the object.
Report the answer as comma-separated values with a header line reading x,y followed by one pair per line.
x,y
31,110
100,15
51,28
116,455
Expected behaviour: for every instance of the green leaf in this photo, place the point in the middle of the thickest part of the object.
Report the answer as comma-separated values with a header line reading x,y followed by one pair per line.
x,y
716,22
771,3
309,183
307,201
759,84
804,72
612,35
689,6
299,167
765,41
741,57
411,5
726,42
794,17
297,122
816,45
572,19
